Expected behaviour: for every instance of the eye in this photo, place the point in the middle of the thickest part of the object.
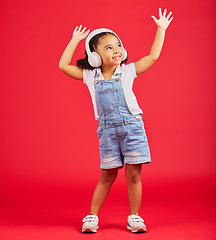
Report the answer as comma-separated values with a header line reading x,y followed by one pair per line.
x,y
108,48
119,45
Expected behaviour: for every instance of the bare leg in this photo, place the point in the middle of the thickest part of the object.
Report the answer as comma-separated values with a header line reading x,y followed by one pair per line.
x,y
102,189
133,176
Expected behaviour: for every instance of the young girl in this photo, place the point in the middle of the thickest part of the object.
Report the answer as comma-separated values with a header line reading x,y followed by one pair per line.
x,y
121,133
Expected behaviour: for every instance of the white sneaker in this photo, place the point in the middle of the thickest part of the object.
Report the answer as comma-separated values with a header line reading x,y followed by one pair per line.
x,y
90,223
136,224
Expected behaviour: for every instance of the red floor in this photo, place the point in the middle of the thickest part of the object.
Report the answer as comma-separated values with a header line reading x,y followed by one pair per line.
x,y
180,211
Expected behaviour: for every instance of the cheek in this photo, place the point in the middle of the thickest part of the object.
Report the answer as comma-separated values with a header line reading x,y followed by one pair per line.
x,y
106,56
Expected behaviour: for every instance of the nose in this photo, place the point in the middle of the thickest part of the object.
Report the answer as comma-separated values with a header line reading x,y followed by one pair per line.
x,y
115,50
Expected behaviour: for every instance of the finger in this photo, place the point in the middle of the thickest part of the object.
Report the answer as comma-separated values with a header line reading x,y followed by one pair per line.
x,y
87,32
79,28
160,13
83,29
155,19
170,20
75,29
169,15
164,14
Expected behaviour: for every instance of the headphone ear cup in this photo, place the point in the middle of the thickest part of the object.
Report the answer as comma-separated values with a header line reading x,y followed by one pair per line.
x,y
125,54
94,59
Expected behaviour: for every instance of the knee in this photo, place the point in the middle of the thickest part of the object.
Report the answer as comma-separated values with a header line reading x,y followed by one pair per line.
x,y
133,176
109,176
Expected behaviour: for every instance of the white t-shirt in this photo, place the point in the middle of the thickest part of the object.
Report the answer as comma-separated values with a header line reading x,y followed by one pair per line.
x,y
128,75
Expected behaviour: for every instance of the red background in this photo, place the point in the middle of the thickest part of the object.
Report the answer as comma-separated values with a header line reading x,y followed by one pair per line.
x,y
49,148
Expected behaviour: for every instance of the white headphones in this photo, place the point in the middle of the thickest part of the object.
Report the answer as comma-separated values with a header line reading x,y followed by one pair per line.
x,y
94,58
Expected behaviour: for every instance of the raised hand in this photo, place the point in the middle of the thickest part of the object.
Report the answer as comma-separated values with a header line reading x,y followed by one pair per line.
x,y
79,34
163,21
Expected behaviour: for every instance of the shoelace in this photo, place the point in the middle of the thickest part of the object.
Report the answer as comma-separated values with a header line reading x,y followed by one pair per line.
x,y
136,219
90,218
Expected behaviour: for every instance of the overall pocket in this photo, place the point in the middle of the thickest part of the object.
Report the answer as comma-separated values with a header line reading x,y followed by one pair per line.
x,y
136,126
100,129
109,99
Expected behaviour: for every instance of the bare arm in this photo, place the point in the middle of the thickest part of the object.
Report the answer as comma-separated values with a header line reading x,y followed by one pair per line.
x,y
65,61
146,62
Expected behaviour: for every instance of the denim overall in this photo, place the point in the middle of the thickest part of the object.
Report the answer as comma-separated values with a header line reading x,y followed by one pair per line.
x,y
122,136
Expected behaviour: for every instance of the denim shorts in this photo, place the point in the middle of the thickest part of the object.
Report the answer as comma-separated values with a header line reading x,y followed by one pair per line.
x,y
122,140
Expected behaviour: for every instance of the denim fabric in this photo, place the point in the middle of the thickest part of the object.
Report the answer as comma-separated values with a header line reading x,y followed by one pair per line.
x,y
122,137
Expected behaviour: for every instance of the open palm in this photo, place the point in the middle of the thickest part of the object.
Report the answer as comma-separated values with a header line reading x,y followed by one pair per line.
x,y
163,21
79,33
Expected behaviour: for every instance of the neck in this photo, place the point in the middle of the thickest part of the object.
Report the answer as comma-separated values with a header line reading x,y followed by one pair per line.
x,y
108,71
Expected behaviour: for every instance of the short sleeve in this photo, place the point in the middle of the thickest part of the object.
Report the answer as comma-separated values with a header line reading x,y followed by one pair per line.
x,y
88,75
85,76
130,70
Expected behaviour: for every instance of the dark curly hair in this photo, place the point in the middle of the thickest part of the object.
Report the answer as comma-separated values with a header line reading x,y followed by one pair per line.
x,y
83,63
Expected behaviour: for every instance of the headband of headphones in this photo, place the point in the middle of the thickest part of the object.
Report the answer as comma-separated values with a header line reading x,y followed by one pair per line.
x,y
94,58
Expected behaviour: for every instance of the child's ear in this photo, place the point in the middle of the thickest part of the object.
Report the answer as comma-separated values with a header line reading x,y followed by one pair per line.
x,y
95,49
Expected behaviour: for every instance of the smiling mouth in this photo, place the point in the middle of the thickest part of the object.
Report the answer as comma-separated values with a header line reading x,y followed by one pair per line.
x,y
117,58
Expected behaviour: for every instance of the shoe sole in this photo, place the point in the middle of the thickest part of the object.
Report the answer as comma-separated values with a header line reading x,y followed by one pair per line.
x,y
139,230
89,230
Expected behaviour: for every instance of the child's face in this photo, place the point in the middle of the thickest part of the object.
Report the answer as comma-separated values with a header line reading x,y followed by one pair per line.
x,y
110,50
